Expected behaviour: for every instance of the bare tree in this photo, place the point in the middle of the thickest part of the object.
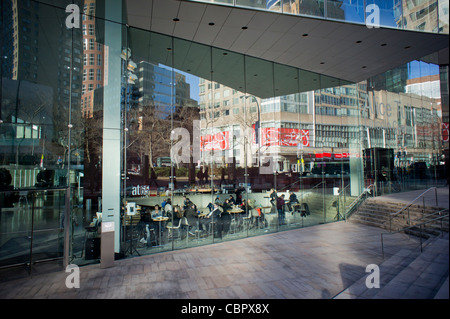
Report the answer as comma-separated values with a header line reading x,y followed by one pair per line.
x,y
150,128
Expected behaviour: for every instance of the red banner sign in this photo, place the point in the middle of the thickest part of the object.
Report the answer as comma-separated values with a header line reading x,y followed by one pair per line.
x,y
284,137
445,131
216,142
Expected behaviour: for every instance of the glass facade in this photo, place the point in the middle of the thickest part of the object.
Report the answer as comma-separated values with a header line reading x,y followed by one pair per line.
x,y
101,122
417,15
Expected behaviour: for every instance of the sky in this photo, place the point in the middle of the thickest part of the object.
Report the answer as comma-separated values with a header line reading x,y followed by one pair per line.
x,y
417,69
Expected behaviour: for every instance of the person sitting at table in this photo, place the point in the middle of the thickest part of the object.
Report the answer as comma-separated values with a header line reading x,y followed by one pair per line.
x,y
168,208
213,216
231,200
156,212
177,214
273,200
163,204
225,218
280,208
192,218
247,206
292,200
186,203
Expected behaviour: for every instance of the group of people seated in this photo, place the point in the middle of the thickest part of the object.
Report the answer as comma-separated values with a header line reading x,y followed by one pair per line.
x,y
218,217
279,205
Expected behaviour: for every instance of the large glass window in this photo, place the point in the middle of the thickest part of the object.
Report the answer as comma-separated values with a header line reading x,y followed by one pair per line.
x,y
181,144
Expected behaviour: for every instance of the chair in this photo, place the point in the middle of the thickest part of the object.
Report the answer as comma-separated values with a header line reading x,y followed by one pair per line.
x,y
233,226
185,224
304,210
211,228
172,229
148,239
91,231
248,219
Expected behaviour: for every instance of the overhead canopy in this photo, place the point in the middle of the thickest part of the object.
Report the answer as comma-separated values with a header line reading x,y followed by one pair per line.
x,y
261,78
283,53
279,37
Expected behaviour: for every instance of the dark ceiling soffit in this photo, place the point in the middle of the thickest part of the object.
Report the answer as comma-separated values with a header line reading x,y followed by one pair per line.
x,y
263,78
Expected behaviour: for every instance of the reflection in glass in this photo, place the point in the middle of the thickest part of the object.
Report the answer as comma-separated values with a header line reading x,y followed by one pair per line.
x,y
197,126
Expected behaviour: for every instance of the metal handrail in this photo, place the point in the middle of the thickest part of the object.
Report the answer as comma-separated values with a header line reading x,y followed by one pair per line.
x,y
407,206
412,202
343,190
315,186
358,199
413,226
289,186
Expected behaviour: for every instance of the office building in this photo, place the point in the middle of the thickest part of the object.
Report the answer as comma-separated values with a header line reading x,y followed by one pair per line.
x,y
322,98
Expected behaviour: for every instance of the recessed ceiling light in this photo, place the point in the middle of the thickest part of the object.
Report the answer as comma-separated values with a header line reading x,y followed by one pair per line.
x,y
211,23
176,19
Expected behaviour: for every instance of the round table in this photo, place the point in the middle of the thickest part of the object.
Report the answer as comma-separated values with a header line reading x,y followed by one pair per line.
x,y
160,219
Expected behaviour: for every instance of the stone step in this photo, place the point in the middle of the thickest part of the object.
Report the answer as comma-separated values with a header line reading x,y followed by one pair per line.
x,y
423,277
401,220
412,209
388,269
407,274
399,205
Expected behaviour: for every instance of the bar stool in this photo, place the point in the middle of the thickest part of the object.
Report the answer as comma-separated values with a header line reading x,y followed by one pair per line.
x,y
149,239
211,228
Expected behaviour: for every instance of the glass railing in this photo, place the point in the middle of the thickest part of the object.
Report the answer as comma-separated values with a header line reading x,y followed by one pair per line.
x,y
420,15
31,226
254,124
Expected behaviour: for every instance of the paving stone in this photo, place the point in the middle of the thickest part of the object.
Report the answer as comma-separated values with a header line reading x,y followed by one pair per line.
x,y
314,262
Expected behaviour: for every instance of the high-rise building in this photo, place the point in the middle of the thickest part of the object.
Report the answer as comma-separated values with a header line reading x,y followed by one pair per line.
x,y
324,98
93,60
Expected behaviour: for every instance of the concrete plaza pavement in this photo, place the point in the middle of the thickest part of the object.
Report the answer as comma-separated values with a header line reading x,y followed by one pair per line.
x,y
318,262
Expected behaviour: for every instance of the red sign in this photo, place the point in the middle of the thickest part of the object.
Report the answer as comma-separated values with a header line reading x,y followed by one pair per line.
x,y
323,155
284,136
216,142
445,131
342,155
